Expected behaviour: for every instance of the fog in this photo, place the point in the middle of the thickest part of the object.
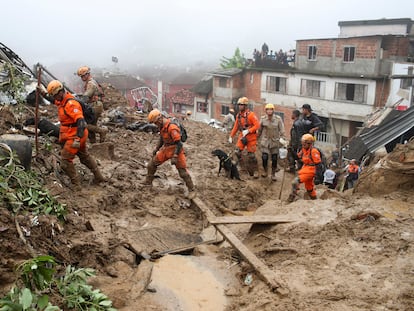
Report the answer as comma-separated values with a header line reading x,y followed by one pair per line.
x,y
175,32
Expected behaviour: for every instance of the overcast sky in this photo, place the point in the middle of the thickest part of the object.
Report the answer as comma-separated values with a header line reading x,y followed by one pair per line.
x,y
173,31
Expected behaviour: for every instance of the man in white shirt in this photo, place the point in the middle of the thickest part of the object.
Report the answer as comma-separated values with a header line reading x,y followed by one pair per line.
x,y
329,177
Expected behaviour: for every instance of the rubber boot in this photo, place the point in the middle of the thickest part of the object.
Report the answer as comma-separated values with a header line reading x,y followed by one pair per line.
x,y
274,174
92,129
70,170
102,134
91,164
255,168
264,174
151,169
188,182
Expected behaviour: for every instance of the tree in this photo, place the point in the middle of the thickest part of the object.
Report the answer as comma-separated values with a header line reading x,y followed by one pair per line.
x,y
237,61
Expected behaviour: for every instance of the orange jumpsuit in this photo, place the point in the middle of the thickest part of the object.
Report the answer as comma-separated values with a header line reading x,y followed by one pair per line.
x,y
246,120
308,170
69,111
170,134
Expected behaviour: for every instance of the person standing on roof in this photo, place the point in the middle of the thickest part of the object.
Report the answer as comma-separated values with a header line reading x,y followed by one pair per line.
x,y
310,158
169,147
73,134
296,132
311,120
92,94
247,124
228,121
272,137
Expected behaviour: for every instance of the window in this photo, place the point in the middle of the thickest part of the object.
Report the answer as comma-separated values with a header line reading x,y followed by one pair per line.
x,y
276,84
223,82
349,54
225,110
312,88
406,83
312,52
351,92
251,78
202,107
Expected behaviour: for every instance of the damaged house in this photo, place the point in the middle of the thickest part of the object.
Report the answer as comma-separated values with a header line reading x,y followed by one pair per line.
x,y
366,69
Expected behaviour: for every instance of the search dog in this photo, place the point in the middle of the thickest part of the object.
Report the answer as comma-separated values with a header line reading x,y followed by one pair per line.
x,y
225,162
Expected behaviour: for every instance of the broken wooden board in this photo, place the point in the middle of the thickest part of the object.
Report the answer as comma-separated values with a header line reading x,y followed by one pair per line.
x,y
157,239
255,219
267,275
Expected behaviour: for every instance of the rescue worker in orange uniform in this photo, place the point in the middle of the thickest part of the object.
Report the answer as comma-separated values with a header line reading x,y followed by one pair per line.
x,y
247,124
310,157
92,94
73,134
353,173
169,147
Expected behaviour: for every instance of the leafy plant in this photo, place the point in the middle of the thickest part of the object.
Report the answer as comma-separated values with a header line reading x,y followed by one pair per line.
x,y
37,273
24,300
237,61
22,191
79,295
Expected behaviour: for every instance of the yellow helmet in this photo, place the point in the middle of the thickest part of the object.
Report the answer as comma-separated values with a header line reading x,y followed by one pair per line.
x,y
309,138
243,101
54,87
188,113
154,115
269,106
83,71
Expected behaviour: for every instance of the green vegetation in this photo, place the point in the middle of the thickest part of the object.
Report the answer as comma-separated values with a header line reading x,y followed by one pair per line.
x,y
21,191
37,276
237,61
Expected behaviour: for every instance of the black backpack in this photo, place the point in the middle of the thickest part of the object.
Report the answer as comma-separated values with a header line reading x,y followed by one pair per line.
x,y
320,168
183,131
87,110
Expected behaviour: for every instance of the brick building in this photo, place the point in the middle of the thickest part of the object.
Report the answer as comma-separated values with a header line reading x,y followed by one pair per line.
x,y
345,79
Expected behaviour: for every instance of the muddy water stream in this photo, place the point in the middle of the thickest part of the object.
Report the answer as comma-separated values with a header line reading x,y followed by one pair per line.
x,y
188,283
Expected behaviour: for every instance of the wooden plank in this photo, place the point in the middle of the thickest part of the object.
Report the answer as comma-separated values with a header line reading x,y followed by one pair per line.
x,y
267,275
256,219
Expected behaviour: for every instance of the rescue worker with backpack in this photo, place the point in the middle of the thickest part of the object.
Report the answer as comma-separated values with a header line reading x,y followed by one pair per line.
x,y
272,135
247,124
170,146
93,94
310,158
73,134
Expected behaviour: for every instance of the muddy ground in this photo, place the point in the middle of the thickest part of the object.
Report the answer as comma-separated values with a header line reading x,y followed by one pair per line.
x,y
344,251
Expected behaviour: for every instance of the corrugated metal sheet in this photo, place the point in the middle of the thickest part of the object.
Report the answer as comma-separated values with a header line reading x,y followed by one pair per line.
x,y
395,125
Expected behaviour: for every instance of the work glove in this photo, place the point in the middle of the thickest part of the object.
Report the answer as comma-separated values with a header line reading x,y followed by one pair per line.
x,y
76,144
174,160
283,142
245,132
41,89
230,140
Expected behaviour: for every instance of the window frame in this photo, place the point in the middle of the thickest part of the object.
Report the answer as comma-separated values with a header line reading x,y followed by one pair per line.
x,y
223,82
312,88
201,109
276,84
312,50
349,54
344,91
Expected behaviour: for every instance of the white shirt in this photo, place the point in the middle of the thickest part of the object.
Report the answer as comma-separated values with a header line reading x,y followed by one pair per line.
x,y
329,176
